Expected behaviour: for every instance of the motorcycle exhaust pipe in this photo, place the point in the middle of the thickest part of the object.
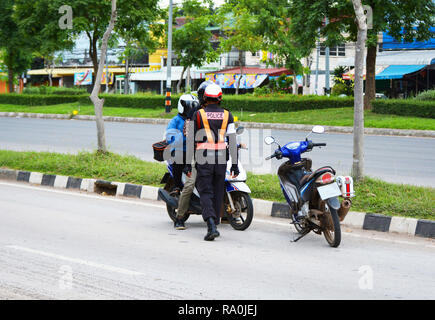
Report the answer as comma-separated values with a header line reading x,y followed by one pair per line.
x,y
344,208
166,197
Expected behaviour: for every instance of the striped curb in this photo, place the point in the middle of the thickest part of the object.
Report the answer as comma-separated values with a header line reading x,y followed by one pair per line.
x,y
366,221
251,125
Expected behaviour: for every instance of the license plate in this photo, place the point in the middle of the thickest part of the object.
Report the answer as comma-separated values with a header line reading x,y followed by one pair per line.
x,y
329,191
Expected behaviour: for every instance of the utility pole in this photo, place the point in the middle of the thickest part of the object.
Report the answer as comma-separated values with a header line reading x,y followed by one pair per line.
x,y
169,62
327,86
317,67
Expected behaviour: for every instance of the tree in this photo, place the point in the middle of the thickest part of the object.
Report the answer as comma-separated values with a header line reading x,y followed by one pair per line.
x,y
136,19
191,41
270,20
15,52
239,32
403,19
358,131
98,102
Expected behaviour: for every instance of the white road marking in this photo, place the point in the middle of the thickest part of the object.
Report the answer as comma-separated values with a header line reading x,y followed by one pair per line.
x,y
84,195
77,261
145,204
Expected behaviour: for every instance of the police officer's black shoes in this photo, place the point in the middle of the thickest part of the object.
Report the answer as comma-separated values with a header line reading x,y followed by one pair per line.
x,y
211,230
179,224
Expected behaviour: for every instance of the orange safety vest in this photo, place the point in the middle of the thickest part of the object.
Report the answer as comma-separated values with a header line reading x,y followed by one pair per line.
x,y
210,144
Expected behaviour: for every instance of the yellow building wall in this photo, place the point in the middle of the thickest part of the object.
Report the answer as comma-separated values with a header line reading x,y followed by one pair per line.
x,y
156,57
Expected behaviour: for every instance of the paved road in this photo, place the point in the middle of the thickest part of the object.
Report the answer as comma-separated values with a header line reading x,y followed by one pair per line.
x,y
70,245
393,159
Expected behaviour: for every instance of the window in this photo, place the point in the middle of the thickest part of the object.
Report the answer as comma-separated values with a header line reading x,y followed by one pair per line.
x,y
335,51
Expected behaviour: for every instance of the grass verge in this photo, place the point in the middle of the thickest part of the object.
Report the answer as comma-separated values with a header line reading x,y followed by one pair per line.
x,y
373,196
327,117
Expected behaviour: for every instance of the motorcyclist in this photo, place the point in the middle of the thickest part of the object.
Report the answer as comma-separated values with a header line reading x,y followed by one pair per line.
x,y
177,139
189,184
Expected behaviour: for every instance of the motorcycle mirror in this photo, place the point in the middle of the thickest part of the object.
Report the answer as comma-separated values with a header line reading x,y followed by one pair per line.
x,y
318,129
269,140
240,130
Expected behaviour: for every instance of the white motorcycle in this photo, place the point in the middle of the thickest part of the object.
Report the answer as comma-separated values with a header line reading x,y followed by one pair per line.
x,y
237,208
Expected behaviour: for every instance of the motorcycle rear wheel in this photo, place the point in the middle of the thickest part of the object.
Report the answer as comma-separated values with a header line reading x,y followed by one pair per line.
x,y
332,230
172,212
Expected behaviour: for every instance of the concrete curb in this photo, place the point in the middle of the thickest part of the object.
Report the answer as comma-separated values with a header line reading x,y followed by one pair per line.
x,y
251,125
360,220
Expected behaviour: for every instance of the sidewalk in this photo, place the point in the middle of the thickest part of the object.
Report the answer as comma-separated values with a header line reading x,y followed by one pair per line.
x,y
253,125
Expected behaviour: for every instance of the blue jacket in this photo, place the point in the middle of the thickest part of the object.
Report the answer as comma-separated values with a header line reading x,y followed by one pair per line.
x,y
174,133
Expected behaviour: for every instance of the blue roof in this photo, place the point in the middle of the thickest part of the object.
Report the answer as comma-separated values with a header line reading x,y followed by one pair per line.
x,y
389,43
398,71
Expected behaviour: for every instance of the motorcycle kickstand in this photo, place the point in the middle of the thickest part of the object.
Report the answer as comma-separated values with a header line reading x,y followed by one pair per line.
x,y
301,236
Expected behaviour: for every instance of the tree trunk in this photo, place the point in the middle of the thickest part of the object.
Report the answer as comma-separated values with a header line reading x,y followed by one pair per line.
x,y
188,86
10,79
306,82
93,53
295,84
50,74
181,80
358,130
99,103
370,92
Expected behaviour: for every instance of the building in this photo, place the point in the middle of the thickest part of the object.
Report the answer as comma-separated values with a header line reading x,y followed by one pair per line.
x,y
402,68
155,80
251,78
75,67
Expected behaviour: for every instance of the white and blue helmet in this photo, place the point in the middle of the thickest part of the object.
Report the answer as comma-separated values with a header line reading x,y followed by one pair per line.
x,y
186,104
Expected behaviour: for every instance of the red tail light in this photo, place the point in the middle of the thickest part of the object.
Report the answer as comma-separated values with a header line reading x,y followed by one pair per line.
x,y
325,178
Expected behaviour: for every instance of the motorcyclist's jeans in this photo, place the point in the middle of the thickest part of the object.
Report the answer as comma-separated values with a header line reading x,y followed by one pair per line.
x,y
210,182
186,194
177,171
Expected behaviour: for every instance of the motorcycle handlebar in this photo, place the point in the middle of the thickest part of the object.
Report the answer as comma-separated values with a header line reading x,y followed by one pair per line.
x,y
277,154
319,144
270,157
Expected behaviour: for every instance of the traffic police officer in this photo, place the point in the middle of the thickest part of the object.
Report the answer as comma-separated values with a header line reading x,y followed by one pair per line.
x,y
211,125
189,184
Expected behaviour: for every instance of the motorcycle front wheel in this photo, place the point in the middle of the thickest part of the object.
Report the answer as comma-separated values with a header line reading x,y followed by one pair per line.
x,y
331,227
242,218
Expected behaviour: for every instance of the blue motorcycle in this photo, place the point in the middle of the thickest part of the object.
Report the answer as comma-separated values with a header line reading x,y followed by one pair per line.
x,y
312,195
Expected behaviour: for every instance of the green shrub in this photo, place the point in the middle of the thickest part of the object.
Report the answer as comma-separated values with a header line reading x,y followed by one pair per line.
x,y
340,88
283,103
261,91
36,99
426,96
247,102
277,103
142,100
408,107
54,90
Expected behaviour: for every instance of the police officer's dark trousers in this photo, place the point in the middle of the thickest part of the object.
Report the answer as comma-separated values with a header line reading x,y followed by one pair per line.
x,y
210,182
